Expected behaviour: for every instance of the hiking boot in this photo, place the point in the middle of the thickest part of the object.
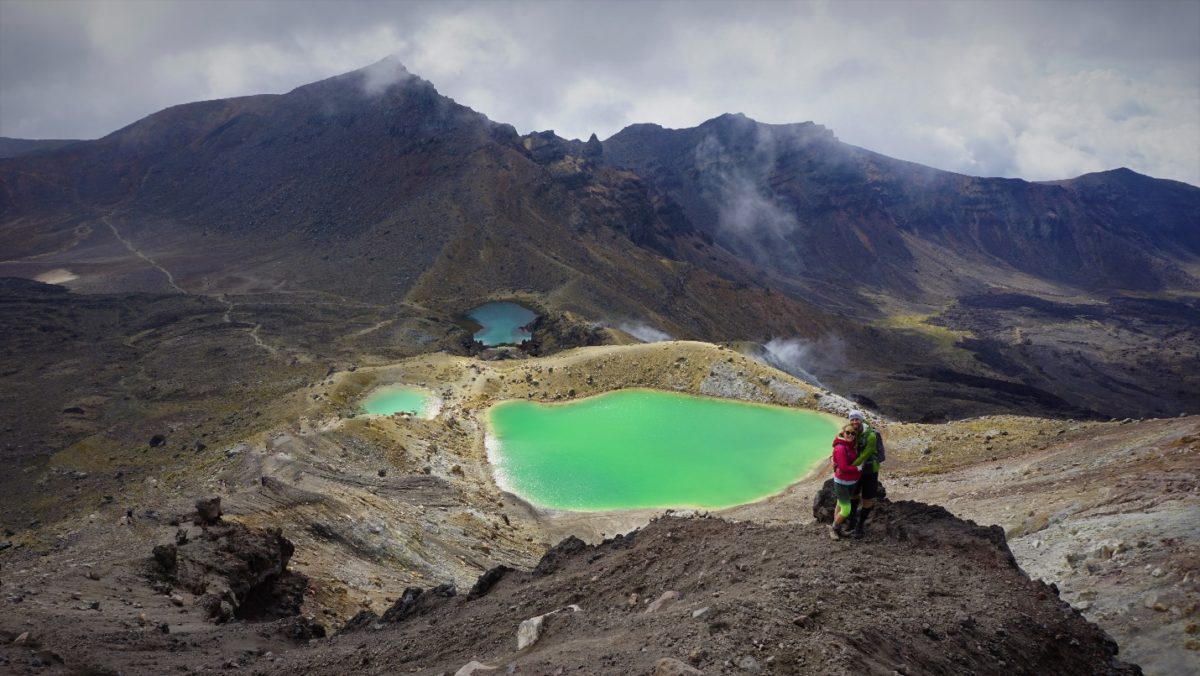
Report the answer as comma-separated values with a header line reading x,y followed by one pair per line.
x,y
835,533
858,530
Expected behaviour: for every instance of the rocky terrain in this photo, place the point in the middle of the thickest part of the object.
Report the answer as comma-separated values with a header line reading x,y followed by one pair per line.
x,y
205,324
708,595
375,506
1108,512
680,596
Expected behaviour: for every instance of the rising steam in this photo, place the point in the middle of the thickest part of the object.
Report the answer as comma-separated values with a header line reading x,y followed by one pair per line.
x,y
748,211
800,358
644,332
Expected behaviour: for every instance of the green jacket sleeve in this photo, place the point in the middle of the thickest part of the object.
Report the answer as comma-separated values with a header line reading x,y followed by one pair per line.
x,y
868,448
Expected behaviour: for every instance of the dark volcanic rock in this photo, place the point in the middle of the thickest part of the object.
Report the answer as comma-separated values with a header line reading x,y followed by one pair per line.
x,y
166,556
824,501
238,572
363,619
414,601
552,333
934,594
402,607
553,558
208,511
488,580
300,628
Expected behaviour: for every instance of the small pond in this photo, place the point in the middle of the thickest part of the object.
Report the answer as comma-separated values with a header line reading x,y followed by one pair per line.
x,y
502,323
649,449
393,399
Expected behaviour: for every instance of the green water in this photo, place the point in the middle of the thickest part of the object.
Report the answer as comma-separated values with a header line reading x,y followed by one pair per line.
x,y
648,449
398,399
502,323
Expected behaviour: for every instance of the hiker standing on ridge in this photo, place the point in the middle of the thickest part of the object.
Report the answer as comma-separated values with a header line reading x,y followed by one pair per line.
x,y
845,477
869,454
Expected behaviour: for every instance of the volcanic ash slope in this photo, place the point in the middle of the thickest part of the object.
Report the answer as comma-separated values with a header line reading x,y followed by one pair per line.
x,y
926,593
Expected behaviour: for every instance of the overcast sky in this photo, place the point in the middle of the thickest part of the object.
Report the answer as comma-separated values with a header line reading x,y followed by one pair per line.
x,y
1035,90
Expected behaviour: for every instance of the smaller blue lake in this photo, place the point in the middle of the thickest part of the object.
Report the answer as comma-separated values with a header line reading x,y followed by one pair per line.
x,y
401,399
503,323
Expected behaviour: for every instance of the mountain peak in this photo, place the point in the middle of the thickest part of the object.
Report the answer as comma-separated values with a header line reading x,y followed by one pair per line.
x,y
731,120
373,80
1120,173
383,74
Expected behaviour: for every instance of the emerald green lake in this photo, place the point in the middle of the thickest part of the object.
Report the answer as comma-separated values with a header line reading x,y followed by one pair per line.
x,y
648,449
400,399
503,323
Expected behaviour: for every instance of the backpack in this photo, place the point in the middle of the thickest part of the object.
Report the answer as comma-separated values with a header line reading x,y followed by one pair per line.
x,y
880,454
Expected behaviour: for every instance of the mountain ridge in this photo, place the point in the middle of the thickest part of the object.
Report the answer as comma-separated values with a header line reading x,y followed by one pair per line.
x,y
372,186
802,170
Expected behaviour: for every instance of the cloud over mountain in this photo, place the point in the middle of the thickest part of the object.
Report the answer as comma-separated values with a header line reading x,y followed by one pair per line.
x,y
1036,91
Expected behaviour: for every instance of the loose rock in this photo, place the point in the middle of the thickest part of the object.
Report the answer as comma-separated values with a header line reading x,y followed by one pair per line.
x,y
669,666
474,667
664,599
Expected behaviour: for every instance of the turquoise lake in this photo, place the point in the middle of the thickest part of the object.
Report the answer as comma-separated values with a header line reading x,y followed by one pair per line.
x,y
399,399
502,322
649,449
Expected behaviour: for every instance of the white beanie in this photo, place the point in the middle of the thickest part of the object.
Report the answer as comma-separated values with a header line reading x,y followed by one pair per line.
x,y
855,415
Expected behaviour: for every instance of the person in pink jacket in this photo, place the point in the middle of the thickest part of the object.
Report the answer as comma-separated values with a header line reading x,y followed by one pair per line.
x,y
845,476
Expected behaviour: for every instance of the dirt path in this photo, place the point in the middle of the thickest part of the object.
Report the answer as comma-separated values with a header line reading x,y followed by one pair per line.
x,y
137,252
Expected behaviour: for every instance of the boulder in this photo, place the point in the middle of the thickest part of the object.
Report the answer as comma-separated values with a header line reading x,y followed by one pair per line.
x,y
208,511
554,557
669,666
403,607
531,630
664,599
236,572
165,556
825,500
486,581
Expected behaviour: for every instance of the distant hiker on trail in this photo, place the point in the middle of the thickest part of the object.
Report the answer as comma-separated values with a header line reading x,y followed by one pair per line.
x,y
870,454
845,477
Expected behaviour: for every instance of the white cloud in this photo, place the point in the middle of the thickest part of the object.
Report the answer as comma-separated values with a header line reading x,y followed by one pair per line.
x,y
462,45
991,88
